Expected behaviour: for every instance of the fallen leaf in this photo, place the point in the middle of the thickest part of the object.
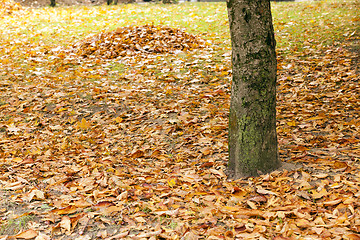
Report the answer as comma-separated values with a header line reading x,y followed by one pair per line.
x,y
65,223
353,236
66,210
168,213
118,236
318,195
28,234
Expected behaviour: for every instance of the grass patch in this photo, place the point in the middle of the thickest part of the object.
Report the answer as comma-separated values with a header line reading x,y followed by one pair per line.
x,y
303,25
16,225
296,24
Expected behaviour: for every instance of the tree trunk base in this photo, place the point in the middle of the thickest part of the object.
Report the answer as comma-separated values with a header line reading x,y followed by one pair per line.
x,y
284,166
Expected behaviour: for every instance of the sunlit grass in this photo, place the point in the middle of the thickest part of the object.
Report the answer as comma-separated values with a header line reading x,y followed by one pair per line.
x,y
295,23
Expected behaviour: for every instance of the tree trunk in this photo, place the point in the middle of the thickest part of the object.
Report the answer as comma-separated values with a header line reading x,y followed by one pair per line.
x,y
52,3
169,1
253,147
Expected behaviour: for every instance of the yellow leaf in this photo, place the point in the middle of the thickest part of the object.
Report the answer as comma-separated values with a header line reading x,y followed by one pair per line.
x,y
84,124
172,182
17,159
71,120
317,195
119,120
62,110
291,124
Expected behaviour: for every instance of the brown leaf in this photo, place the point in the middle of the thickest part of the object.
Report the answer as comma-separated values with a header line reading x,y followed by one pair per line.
x,y
258,199
206,150
304,195
112,209
118,236
148,234
65,223
302,223
265,192
42,236
168,213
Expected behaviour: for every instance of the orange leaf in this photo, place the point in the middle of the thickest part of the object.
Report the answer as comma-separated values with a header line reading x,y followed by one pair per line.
x,y
103,204
137,154
353,236
119,120
339,165
207,164
28,234
67,210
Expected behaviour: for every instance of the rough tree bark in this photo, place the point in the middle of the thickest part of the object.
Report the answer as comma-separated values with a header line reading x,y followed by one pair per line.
x,y
253,147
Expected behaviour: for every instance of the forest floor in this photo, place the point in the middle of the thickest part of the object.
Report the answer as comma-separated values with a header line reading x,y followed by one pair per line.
x,y
122,134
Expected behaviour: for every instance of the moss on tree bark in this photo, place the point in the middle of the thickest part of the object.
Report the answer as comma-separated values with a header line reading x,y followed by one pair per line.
x,y
253,145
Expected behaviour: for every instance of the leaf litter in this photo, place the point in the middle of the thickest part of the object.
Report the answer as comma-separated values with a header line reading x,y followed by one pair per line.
x,y
8,7
134,39
140,151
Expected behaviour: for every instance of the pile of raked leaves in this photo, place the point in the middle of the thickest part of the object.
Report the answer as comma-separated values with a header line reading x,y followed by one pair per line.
x,y
132,40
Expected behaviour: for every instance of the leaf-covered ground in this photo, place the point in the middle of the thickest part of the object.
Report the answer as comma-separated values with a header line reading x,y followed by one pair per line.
x,y
135,147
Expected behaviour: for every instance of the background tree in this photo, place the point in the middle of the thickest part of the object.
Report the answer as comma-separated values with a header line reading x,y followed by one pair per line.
x,y
253,147
169,1
52,3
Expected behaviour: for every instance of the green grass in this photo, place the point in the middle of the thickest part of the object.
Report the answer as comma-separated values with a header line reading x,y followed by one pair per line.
x,y
298,26
295,23
308,24
14,226
74,23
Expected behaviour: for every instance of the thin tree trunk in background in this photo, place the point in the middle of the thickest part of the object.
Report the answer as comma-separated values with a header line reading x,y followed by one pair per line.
x,y
253,147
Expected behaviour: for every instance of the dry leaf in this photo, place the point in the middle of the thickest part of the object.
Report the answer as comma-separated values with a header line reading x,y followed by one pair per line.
x,y
28,234
65,223
317,195
169,212
67,210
